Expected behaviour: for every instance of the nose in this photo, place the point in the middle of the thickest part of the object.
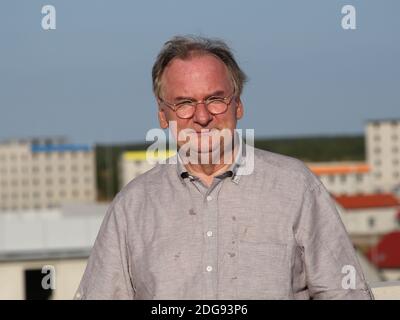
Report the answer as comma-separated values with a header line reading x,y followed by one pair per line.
x,y
201,115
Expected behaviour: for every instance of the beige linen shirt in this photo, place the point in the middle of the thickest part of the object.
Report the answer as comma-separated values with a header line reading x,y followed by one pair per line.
x,y
271,234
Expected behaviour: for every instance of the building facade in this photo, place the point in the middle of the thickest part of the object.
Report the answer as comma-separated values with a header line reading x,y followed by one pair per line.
x,y
45,173
48,246
383,153
134,163
343,178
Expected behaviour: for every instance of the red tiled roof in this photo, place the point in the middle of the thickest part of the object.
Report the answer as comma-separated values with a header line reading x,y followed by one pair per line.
x,y
367,201
386,254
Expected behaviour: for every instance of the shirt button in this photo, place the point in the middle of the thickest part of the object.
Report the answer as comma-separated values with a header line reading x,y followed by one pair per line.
x,y
209,233
209,198
209,268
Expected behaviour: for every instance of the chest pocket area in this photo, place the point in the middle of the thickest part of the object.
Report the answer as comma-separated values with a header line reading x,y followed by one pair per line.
x,y
263,270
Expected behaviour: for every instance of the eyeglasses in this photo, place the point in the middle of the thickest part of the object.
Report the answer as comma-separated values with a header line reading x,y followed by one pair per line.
x,y
186,109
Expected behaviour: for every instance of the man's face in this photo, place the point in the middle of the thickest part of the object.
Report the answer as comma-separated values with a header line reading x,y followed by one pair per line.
x,y
198,78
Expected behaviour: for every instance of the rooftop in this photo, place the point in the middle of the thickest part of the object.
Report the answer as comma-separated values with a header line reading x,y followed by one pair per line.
x,y
367,201
69,231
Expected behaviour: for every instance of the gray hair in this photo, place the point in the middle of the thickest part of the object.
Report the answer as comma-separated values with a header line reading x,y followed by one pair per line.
x,y
184,47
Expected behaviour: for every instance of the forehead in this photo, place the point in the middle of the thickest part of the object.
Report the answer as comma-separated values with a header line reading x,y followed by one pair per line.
x,y
195,74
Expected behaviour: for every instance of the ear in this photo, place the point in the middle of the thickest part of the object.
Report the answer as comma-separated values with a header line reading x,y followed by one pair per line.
x,y
239,109
162,119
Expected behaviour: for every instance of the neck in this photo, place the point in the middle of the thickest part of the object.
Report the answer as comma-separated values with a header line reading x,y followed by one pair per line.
x,y
207,171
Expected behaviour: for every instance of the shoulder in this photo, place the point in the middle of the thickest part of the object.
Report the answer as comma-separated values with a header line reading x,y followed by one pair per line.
x,y
146,185
285,169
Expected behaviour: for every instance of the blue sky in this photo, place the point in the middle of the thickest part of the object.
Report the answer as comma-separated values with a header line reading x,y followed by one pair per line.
x,y
90,78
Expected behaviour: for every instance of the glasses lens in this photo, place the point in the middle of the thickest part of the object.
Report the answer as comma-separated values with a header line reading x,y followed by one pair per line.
x,y
217,107
185,111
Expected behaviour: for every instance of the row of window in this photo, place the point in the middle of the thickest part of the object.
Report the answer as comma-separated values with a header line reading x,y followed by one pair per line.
x,y
394,137
395,174
47,155
48,181
36,206
37,169
394,123
343,178
378,150
48,194
395,162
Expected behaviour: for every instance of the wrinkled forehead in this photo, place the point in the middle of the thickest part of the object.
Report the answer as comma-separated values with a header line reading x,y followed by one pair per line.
x,y
197,72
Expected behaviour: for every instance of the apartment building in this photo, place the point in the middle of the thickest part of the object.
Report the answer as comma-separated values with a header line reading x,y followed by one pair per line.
x,y
44,173
134,163
383,153
343,178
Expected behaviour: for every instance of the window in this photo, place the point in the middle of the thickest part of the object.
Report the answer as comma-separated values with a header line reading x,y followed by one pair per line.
x,y
377,150
359,177
75,193
371,222
396,174
378,175
395,149
377,138
342,178
331,179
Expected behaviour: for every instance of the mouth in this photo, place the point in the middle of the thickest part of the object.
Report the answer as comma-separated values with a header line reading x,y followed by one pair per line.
x,y
206,132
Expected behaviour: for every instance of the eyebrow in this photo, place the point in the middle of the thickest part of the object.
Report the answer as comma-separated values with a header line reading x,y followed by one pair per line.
x,y
215,93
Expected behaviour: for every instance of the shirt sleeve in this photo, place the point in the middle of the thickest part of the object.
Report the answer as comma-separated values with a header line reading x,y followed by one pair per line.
x,y
332,268
107,273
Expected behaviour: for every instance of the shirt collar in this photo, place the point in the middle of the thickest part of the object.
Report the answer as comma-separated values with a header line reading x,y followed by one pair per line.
x,y
232,172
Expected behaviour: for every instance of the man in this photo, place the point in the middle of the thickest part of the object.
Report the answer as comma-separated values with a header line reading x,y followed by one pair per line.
x,y
201,228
